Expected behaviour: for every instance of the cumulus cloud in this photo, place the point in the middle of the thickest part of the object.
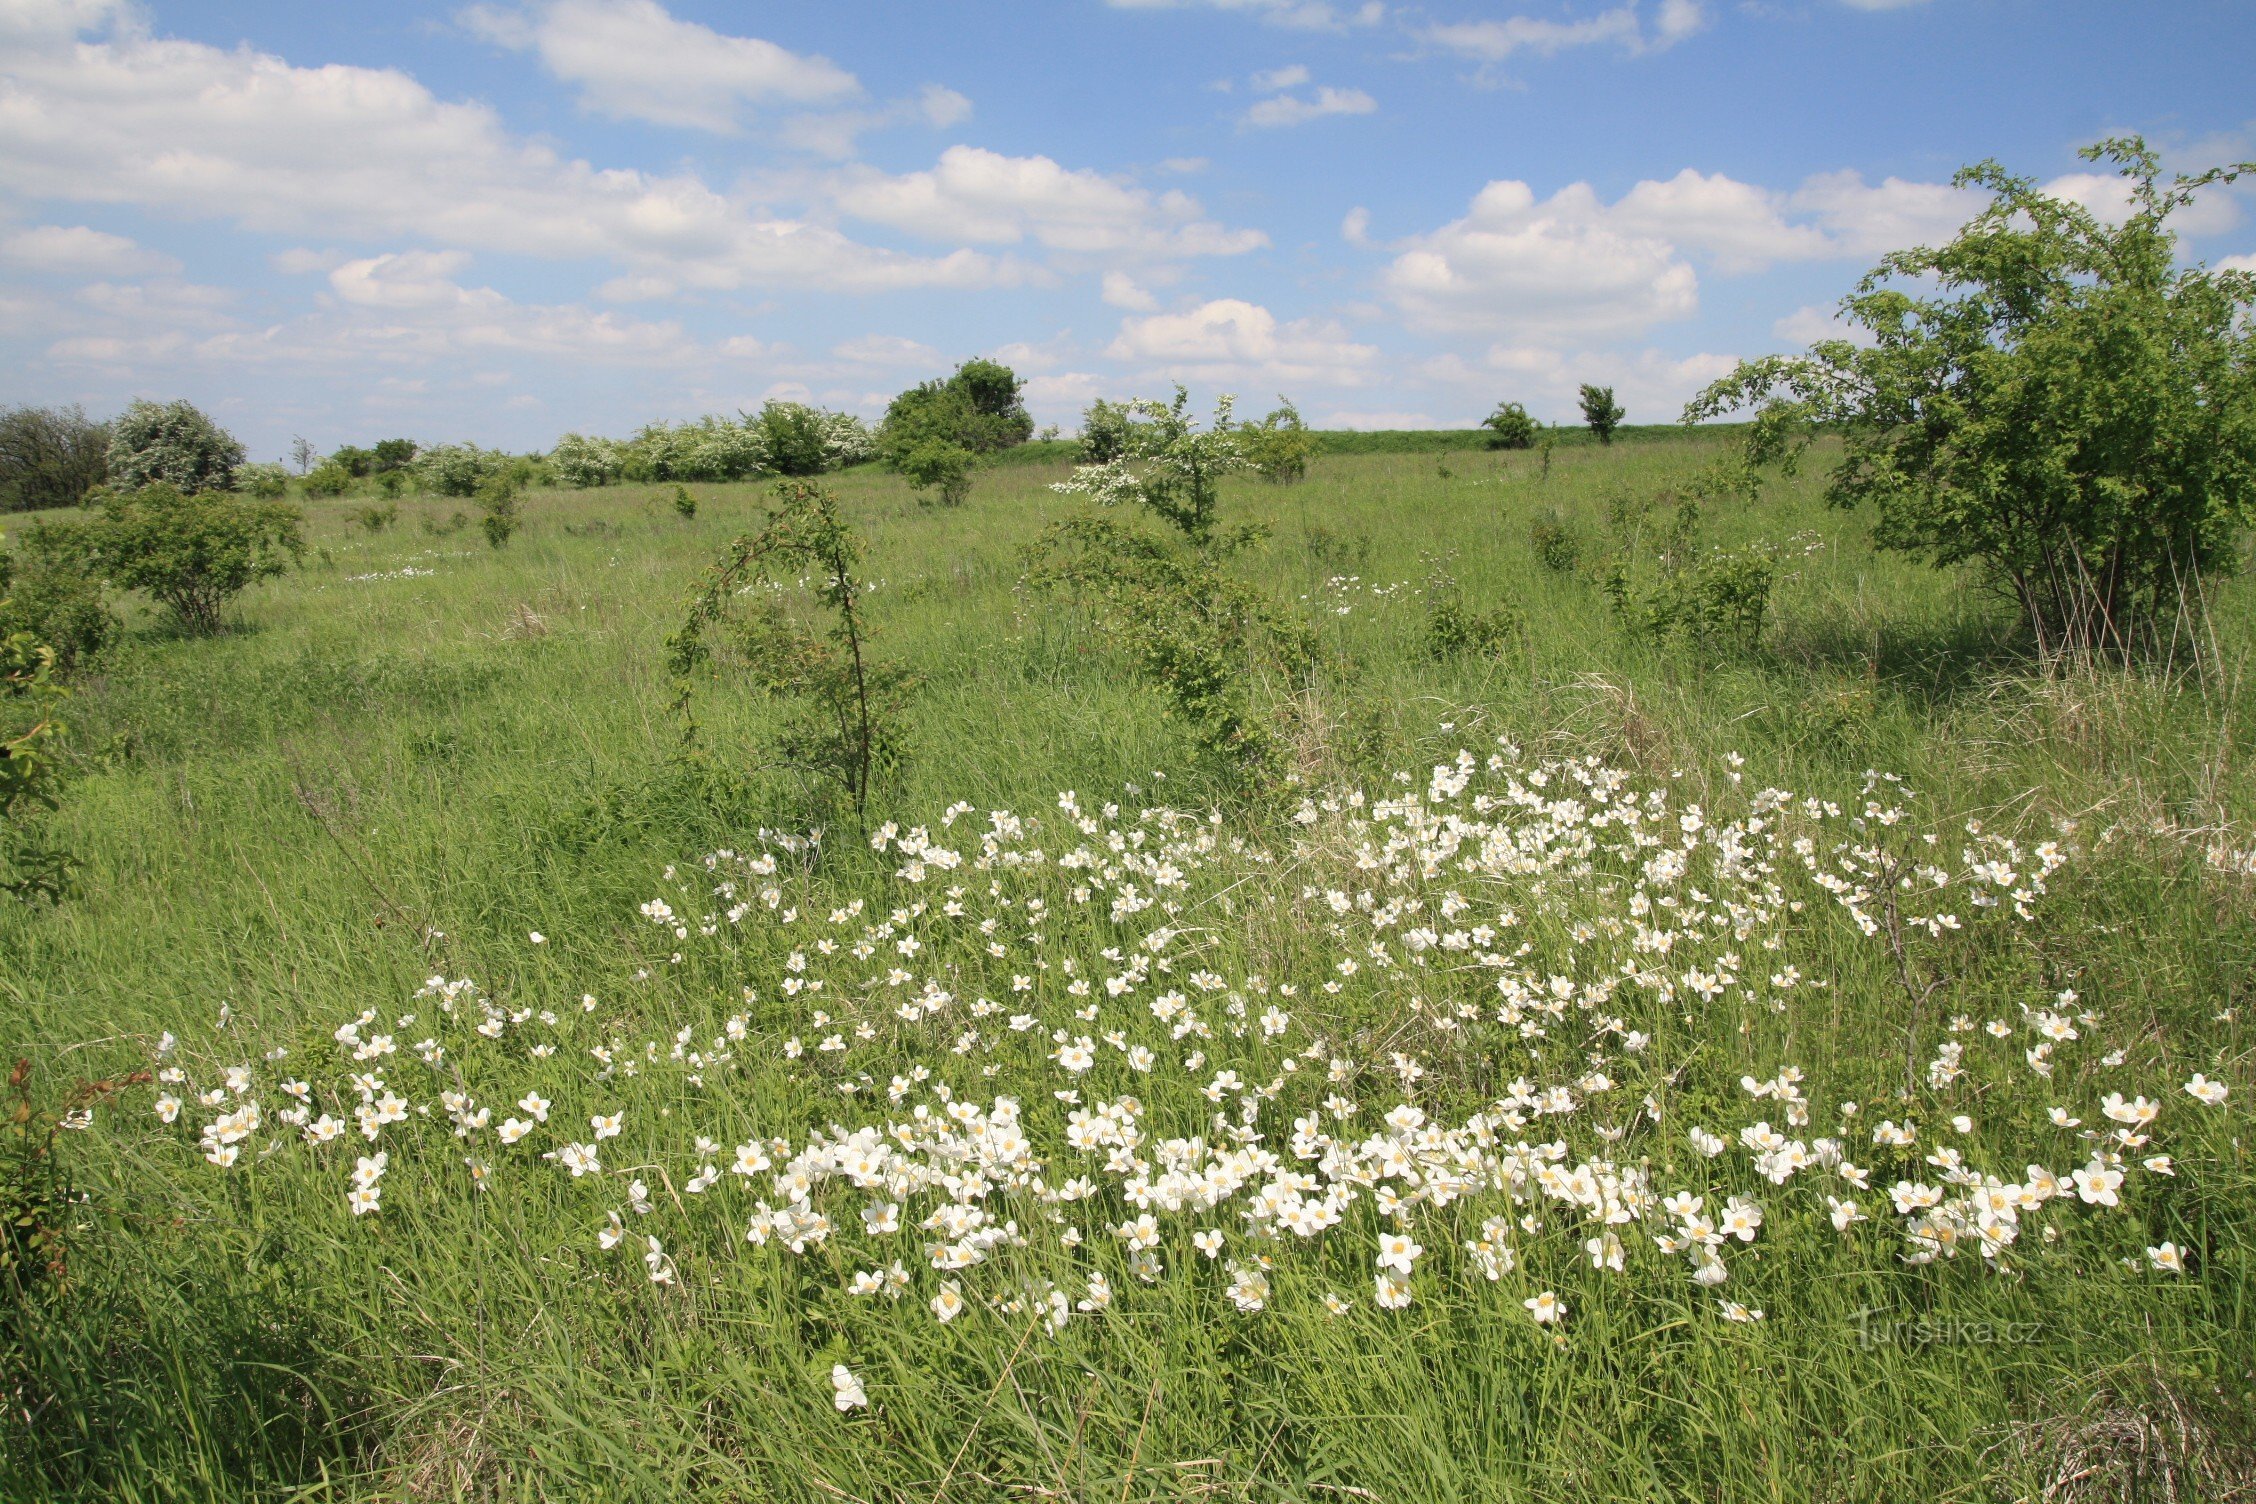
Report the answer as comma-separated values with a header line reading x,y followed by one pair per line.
x,y
1512,263
1497,39
1229,339
632,60
1298,109
79,251
1124,291
1575,264
237,135
986,198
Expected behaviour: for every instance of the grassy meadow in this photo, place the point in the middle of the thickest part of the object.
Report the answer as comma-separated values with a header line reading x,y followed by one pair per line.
x,y
416,753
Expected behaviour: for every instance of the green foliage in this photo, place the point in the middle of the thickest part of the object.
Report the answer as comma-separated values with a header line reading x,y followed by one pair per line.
x,y
55,593
799,440
329,478
377,519
1195,631
685,505
1510,427
1104,431
1558,547
940,465
1600,413
171,444
1455,628
392,454
50,457
497,509
2048,398
356,462
29,733
1167,464
458,469
977,411
390,483
844,721
38,1201
1279,445
264,481
193,552
1667,587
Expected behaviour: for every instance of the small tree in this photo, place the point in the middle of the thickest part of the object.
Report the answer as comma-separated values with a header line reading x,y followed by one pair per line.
x,y
940,465
497,505
192,553
172,444
1167,464
329,478
1600,412
795,438
1279,445
50,457
1510,427
846,705
2049,398
977,409
393,454
1104,432
303,454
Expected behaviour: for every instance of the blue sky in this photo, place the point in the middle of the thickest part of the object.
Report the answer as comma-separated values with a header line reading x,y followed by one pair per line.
x,y
506,220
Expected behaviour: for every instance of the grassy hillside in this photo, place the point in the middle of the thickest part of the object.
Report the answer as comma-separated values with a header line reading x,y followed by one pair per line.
x,y
417,754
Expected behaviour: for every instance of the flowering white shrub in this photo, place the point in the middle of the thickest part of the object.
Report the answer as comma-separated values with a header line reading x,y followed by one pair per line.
x,y
1473,1037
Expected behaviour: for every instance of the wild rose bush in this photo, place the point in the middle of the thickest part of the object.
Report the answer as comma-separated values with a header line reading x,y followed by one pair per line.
x,y
1543,1035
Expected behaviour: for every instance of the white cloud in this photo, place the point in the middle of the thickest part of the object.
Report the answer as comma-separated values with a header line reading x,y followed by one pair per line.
x,y
1869,220
1355,226
1741,226
1494,41
837,133
887,350
1651,384
1347,418
1291,109
2245,263
1290,77
1124,291
1232,340
987,198
631,60
1515,264
80,251
1301,15
241,136
409,279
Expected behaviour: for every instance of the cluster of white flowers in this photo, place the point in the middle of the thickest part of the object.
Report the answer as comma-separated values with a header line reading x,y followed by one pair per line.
x,y
1517,984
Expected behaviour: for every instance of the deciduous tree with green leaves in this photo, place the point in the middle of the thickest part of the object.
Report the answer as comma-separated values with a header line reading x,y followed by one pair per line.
x,y
193,553
1601,412
2050,398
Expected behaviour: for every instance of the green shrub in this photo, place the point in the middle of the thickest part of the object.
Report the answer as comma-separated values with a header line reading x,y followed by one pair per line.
x,y
497,507
1104,432
55,592
582,462
172,444
457,469
1510,427
1167,465
1454,628
846,706
684,503
357,463
193,552
50,457
264,481
393,454
1279,445
1557,546
328,478
1600,412
977,410
940,465
390,483
2058,402
377,519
